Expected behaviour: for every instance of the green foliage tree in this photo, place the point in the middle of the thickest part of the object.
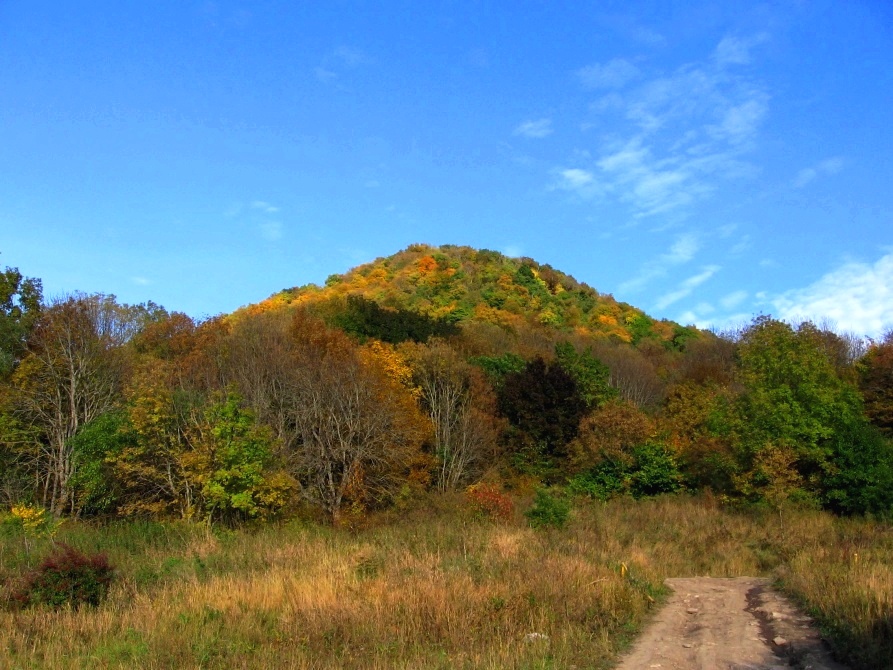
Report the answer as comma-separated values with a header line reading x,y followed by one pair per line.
x,y
793,397
591,376
550,509
366,318
543,404
93,486
229,460
649,469
497,367
795,400
860,480
20,302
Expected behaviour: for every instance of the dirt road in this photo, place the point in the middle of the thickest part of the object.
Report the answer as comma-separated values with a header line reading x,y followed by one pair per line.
x,y
728,624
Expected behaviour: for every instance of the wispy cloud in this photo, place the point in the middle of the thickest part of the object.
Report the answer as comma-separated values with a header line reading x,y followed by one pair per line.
x,y
681,133
686,287
271,231
140,281
349,56
743,244
580,182
682,251
732,300
325,75
336,62
827,167
264,207
858,296
733,50
615,73
535,129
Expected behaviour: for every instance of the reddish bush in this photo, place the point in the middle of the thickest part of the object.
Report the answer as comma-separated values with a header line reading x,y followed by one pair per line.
x,y
487,501
66,576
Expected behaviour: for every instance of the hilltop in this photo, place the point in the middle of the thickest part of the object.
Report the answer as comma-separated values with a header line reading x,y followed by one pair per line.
x,y
459,285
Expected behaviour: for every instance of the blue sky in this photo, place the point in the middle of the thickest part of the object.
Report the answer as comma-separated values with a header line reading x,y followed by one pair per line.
x,y
704,161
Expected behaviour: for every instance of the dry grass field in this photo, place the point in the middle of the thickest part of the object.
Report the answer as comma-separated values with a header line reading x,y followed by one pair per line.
x,y
438,589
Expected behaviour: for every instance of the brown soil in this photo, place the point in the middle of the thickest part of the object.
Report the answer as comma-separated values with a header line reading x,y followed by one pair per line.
x,y
728,624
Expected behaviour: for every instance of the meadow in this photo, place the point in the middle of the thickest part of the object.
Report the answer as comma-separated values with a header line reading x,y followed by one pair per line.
x,y
437,587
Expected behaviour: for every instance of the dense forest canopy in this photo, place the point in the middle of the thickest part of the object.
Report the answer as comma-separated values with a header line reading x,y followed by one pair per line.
x,y
434,368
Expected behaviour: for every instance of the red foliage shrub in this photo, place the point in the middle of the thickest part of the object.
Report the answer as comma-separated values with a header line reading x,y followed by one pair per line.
x,y
487,501
67,576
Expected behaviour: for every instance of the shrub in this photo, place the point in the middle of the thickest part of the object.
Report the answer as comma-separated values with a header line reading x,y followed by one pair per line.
x,y
33,521
650,470
487,501
66,576
655,471
548,509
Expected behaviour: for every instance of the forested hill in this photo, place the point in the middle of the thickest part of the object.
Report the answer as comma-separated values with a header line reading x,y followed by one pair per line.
x,y
437,368
457,284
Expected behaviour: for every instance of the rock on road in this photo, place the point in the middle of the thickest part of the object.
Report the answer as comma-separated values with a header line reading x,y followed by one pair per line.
x,y
728,624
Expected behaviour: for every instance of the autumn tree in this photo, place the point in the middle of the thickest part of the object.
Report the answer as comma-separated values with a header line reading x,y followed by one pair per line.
x,y
71,373
150,467
260,360
875,370
357,429
460,406
610,432
700,421
632,374
709,359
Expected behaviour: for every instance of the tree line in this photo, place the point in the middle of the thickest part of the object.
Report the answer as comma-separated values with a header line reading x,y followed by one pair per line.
x,y
340,406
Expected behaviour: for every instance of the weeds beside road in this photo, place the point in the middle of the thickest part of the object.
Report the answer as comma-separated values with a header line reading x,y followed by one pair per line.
x,y
437,589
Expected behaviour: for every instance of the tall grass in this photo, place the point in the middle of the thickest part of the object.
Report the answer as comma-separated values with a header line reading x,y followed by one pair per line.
x,y
433,589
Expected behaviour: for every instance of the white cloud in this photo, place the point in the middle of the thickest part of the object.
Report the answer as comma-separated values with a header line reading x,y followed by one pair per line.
x,y
340,59
264,207
349,56
615,73
742,245
689,318
271,231
324,75
740,123
581,182
686,287
680,132
858,296
536,129
736,50
141,281
827,167
732,300
682,251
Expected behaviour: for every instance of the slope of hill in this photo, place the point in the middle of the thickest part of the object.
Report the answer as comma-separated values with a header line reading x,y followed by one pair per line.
x,y
460,284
